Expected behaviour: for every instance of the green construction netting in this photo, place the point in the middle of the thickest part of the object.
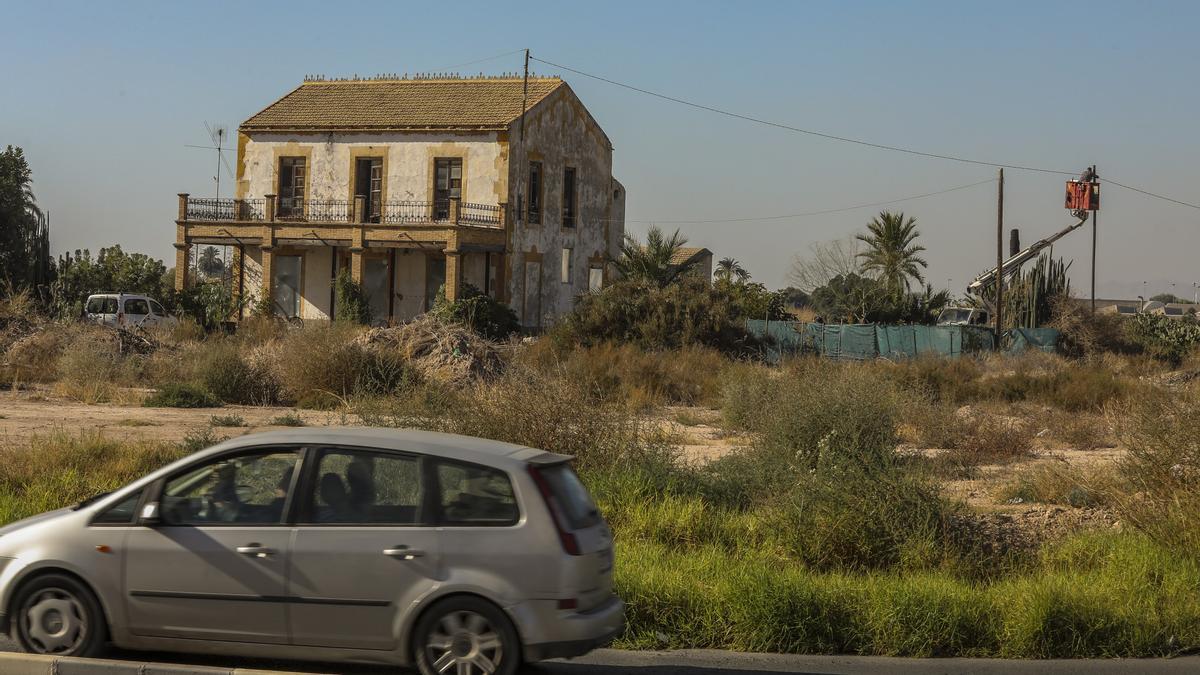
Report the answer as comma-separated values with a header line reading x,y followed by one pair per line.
x,y
869,341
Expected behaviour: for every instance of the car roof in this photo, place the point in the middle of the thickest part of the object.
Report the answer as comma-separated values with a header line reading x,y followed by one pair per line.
x,y
453,446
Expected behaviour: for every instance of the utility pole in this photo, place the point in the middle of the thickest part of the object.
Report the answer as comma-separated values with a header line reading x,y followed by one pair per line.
x,y
1000,261
1096,178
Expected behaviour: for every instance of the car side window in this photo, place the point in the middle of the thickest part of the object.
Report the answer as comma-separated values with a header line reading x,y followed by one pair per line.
x,y
137,306
121,513
96,306
362,487
473,495
248,489
158,310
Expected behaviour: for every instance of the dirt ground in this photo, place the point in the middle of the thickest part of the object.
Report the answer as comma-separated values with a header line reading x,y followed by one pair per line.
x,y
698,431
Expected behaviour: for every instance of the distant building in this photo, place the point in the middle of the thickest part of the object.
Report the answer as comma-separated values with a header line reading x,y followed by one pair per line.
x,y
416,186
1174,310
702,257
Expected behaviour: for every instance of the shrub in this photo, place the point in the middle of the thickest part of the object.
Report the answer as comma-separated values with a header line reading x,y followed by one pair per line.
x,y
1162,467
1163,337
319,364
687,312
1068,486
227,421
287,420
614,373
350,300
91,367
481,313
223,370
177,395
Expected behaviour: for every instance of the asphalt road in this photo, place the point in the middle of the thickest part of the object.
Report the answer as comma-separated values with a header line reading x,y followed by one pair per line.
x,y
707,662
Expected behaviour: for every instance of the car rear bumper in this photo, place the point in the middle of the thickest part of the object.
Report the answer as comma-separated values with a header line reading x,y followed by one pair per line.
x,y
577,634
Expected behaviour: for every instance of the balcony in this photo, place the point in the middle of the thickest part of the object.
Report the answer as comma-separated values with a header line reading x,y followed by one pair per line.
x,y
273,209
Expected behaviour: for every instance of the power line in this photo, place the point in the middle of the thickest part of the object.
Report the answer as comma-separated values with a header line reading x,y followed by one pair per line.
x,y
815,213
489,58
847,139
810,132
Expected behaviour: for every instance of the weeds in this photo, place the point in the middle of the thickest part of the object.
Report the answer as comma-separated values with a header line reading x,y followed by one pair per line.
x,y
287,420
227,421
181,396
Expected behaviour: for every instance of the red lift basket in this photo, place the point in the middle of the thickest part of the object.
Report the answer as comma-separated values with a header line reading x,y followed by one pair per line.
x,y
1083,196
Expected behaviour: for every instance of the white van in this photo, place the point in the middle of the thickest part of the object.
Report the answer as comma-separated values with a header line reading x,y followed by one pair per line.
x,y
126,310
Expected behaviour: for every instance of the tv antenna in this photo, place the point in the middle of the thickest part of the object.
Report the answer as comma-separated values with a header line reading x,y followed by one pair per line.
x,y
217,134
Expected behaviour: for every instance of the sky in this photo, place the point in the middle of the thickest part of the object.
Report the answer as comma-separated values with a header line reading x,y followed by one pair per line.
x,y
105,97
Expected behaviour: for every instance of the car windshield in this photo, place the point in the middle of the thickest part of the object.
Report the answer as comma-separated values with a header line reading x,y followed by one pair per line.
x,y
90,500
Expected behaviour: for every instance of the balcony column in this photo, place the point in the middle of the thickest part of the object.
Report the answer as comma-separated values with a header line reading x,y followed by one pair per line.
x,y
182,250
269,202
504,215
454,208
239,209
453,262
183,200
268,277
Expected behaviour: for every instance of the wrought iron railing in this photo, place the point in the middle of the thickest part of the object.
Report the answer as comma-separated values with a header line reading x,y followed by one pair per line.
x,y
210,209
485,215
404,212
200,208
328,211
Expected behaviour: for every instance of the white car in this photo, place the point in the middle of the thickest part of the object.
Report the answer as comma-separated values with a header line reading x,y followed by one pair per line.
x,y
126,310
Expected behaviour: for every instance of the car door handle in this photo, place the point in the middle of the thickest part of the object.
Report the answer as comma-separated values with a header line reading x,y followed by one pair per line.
x,y
255,550
403,552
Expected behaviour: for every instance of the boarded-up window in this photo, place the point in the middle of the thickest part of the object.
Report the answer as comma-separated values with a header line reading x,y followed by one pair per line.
x,y
595,278
534,215
567,265
569,197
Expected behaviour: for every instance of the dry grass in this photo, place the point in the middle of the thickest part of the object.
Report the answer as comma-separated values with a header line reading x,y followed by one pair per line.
x,y
1065,485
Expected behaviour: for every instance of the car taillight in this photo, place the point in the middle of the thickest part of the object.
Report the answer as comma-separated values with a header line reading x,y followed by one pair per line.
x,y
569,543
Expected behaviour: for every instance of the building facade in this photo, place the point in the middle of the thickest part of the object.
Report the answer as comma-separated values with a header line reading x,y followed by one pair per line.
x,y
415,187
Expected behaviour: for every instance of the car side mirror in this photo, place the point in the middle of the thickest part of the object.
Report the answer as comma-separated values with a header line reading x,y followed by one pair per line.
x,y
151,515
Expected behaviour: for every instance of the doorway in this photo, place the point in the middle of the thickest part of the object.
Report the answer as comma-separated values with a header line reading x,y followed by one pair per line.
x,y
285,285
368,184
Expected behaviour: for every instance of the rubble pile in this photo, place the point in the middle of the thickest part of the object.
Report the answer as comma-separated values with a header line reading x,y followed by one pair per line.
x,y
442,351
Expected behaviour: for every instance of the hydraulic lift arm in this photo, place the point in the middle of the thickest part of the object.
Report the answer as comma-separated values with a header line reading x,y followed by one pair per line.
x,y
984,282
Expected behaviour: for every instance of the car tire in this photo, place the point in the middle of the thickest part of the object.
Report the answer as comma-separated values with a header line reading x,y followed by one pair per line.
x,y
466,630
58,615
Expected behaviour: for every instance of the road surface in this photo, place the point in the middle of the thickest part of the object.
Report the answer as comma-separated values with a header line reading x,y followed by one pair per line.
x,y
708,662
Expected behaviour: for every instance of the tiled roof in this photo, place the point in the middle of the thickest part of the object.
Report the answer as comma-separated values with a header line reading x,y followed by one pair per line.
x,y
486,103
683,255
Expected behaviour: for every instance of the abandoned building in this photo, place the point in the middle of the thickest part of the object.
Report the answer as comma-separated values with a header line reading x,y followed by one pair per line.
x,y
416,186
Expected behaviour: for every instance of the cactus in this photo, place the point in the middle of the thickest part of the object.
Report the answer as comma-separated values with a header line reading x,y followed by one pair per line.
x,y
1028,296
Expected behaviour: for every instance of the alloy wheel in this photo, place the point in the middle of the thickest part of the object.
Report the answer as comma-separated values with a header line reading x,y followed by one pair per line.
x,y
464,643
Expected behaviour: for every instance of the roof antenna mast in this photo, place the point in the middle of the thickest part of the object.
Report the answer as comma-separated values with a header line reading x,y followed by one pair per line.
x,y
524,95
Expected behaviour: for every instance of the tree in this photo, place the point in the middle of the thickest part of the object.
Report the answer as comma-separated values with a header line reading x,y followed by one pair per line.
x,y
850,298
112,270
824,261
891,255
24,249
210,262
652,262
731,270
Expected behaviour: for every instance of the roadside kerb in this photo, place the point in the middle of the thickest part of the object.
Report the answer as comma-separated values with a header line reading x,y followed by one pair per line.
x,y
36,664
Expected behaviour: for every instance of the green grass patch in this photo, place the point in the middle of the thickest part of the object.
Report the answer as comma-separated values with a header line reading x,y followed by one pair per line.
x,y
181,396
287,420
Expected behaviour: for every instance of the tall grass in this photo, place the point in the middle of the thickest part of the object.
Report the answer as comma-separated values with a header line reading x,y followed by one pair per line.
x,y
48,472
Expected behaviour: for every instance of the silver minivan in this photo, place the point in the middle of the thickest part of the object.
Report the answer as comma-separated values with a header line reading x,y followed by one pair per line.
x,y
126,310
451,553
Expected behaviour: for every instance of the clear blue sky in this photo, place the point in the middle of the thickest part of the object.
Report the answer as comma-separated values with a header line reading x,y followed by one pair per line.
x,y
104,96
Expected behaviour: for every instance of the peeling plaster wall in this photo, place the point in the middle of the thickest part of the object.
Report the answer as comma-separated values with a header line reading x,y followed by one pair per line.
x,y
252,275
560,132
410,285
408,163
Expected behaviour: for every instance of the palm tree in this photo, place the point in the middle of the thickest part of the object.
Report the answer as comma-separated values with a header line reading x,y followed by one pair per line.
x,y
730,270
891,255
654,261
210,262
